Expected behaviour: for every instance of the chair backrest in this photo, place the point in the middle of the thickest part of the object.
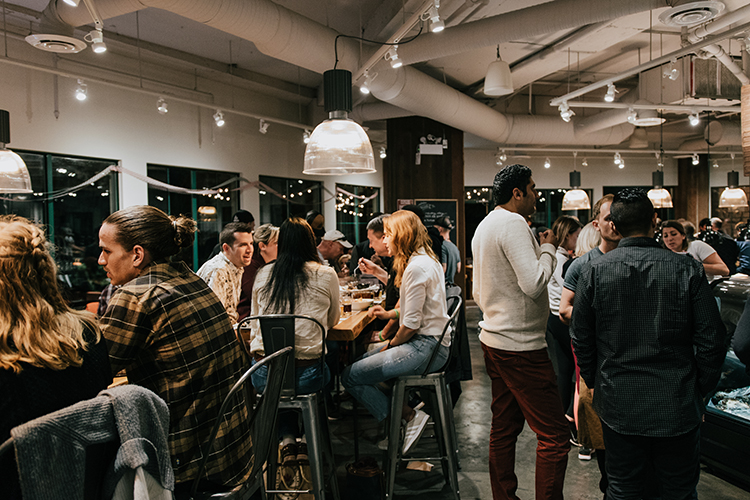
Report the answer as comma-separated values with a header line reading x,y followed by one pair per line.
x,y
454,300
262,416
278,332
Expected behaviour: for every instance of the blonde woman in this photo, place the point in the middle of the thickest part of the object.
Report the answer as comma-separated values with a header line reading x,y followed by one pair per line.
x,y
422,316
266,243
50,355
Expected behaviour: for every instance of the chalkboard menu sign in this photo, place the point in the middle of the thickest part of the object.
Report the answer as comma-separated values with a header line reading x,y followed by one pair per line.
x,y
436,209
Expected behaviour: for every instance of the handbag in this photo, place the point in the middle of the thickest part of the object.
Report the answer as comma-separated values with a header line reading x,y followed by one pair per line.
x,y
365,480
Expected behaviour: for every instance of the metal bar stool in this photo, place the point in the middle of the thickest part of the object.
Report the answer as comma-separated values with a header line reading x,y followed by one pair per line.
x,y
278,332
439,400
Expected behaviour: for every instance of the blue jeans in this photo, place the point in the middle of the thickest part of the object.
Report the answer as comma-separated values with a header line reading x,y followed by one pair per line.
x,y
361,378
309,379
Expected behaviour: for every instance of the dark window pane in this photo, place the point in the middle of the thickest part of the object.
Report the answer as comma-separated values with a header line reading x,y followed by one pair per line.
x,y
352,213
288,198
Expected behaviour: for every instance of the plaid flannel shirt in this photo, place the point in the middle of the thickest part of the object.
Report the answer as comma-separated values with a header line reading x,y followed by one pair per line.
x,y
171,334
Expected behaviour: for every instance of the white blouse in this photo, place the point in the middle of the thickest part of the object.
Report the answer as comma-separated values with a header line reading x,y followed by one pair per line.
x,y
423,302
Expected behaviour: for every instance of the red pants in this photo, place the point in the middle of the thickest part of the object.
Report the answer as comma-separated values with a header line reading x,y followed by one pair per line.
x,y
524,388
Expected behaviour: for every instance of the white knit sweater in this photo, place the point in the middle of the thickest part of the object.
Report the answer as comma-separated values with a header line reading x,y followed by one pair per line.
x,y
511,272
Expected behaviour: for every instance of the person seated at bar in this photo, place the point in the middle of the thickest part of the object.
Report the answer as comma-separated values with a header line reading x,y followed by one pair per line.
x,y
423,314
674,238
332,246
223,273
265,243
171,334
297,283
242,216
51,356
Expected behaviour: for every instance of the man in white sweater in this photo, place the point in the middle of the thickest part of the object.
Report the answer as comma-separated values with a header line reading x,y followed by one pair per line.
x,y
511,271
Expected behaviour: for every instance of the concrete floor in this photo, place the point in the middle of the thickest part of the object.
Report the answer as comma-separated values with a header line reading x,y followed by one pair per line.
x,y
472,415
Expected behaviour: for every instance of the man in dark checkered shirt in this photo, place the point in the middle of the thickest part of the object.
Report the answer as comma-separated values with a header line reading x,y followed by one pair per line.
x,y
649,341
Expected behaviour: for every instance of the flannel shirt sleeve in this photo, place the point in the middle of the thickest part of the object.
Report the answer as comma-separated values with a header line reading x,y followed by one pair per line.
x,y
583,326
127,328
709,332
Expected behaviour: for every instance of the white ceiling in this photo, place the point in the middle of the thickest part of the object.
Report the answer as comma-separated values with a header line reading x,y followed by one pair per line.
x,y
618,45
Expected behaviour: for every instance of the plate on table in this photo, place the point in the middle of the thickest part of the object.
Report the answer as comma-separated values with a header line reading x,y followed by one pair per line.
x,y
361,304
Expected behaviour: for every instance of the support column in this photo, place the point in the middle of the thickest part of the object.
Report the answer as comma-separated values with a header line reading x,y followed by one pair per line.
x,y
692,195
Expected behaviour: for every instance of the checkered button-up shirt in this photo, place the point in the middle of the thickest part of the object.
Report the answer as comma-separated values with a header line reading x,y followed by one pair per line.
x,y
171,334
648,338
225,279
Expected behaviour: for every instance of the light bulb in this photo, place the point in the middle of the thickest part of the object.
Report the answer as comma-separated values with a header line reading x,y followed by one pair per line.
x,y
219,118
161,106
694,119
81,91
621,165
547,163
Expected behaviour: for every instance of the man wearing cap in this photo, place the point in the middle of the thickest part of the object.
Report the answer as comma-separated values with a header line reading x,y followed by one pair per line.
x,y
451,256
332,246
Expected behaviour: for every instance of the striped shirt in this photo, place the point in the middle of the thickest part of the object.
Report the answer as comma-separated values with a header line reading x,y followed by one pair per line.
x,y
171,334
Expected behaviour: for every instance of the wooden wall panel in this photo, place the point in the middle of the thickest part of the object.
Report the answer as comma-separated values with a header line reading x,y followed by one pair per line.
x,y
692,194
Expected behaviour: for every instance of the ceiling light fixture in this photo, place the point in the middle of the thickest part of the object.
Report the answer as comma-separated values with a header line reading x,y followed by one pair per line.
x,y
659,196
14,176
161,106
621,165
565,112
547,163
436,24
306,136
72,3
500,156
632,116
219,118
365,87
81,91
585,163
715,164
733,196
338,145
392,57
670,71
618,158
644,117
696,159
498,80
611,91
263,126
96,39
575,199
382,153
694,118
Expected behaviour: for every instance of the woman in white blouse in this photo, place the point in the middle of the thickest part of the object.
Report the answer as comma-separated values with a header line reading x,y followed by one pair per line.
x,y
674,238
422,316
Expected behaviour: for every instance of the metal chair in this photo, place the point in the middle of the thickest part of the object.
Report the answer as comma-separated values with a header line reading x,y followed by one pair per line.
x,y
439,400
262,417
278,332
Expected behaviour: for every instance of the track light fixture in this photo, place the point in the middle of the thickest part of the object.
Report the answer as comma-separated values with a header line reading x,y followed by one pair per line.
x,y
219,118
161,106
306,136
436,24
585,163
263,126
694,118
565,112
81,91
547,163
670,71
365,87
611,91
96,39
618,158
72,3
392,57
696,160
715,164
382,152
500,156
632,116
621,165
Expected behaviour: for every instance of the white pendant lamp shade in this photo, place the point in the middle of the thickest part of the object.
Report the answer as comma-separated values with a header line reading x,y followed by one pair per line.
x,y
14,176
338,146
659,196
499,80
733,196
576,199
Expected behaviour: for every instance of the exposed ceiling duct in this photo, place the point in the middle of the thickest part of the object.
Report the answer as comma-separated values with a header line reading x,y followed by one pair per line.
x,y
717,134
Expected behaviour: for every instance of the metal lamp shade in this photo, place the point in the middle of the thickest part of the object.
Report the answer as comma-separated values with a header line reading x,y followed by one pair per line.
x,y
14,176
733,196
575,199
659,196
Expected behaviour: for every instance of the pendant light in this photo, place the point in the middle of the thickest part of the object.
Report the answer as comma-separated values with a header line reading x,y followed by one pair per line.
x,y
575,199
498,80
733,196
659,196
14,176
338,145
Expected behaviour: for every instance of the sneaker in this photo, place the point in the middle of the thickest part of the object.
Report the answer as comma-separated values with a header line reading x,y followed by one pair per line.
x,y
414,429
585,454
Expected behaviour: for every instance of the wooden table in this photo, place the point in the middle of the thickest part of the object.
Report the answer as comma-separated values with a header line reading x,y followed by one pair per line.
x,y
349,328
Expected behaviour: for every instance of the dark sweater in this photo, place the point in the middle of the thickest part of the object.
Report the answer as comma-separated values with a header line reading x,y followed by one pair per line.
x,y
38,391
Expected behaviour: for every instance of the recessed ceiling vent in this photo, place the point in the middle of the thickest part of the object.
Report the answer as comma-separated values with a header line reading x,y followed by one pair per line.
x,y
691,13
56,43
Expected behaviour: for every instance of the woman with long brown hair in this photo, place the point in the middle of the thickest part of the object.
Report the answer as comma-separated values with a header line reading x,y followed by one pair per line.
x,y
422,316
51,356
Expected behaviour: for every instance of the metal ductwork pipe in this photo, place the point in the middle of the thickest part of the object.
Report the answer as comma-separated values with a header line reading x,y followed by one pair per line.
x,y
377,111
718,133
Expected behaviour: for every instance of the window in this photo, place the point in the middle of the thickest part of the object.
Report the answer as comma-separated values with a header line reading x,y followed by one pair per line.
x,y
288,198
663,213
353,212
72,220
211,212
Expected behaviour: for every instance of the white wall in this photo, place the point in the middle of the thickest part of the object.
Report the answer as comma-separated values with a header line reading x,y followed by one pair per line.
x,y
124,125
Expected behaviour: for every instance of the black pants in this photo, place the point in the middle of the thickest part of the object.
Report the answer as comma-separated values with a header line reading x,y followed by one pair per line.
x,y
673,460
565,367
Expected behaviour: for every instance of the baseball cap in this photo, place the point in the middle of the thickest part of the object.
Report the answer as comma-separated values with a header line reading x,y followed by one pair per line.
x,y
336,235
444,222
243,216
716,220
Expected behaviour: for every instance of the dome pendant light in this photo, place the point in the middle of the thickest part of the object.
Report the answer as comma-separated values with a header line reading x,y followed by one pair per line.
x,y
498,80
14,176
733,196
576,199
659,196
338,145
